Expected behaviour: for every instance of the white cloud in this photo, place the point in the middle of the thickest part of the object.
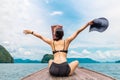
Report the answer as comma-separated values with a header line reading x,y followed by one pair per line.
x,y
111,55
103,56
48,1
17,15
74,54
6,43
56,13
107,55
95,9
27,53
84,54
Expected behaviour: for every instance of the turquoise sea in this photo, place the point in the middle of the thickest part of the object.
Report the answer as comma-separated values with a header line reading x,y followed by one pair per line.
x,y
18,71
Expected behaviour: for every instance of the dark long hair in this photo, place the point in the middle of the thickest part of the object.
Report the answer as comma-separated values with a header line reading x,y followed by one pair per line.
x,y
59,34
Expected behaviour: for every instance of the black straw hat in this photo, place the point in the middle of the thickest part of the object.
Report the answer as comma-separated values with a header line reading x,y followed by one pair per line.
x,y
99,24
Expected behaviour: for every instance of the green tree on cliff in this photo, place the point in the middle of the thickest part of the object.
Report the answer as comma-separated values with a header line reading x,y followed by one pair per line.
x,y
46,58
5,56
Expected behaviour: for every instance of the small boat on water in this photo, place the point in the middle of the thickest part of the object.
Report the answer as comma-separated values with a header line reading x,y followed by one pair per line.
x,y
80,74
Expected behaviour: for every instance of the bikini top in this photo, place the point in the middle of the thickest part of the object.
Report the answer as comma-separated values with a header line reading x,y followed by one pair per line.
x,y
55,51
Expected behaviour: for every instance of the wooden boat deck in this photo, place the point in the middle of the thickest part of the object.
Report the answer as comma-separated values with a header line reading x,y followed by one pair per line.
x,y
80,74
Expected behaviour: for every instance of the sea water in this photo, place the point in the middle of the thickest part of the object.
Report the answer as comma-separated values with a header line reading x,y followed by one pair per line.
x,y
18,71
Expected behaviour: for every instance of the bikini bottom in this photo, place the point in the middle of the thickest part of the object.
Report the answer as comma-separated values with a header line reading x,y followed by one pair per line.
x,y
59,70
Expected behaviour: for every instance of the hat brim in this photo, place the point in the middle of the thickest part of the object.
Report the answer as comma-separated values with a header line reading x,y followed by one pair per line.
x,y
100,25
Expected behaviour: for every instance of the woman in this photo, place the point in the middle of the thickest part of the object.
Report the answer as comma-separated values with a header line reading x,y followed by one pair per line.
x,y
59,66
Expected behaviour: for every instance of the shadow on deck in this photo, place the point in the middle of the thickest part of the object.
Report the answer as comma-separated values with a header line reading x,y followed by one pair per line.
x,y
80,74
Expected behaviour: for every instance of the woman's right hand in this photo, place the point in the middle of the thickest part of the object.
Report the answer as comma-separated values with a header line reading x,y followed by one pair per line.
x,y
90,23
27,32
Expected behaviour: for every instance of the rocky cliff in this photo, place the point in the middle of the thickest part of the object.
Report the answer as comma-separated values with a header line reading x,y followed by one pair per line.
x,y
46,58
5,56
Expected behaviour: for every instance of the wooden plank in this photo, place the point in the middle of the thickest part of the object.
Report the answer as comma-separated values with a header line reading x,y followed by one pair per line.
x,y
96,75
80,74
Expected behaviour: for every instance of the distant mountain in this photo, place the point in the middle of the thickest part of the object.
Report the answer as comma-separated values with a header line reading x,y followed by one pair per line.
x,y
25,61
5,56
117,61
46,58
82,60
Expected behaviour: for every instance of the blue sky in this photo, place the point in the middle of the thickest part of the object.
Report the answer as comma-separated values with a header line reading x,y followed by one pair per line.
x,y
39,15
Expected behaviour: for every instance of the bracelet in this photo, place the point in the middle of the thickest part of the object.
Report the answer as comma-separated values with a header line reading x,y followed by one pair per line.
x,y
32,32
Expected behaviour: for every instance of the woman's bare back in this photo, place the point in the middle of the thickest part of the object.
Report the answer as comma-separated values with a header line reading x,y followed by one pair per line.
x,y
60,57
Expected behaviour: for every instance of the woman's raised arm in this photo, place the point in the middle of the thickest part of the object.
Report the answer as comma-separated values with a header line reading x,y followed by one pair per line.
x,y
47,40
74,35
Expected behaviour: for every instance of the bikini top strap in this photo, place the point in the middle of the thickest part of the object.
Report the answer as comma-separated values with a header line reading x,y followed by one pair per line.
x,y
64,45
54,45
